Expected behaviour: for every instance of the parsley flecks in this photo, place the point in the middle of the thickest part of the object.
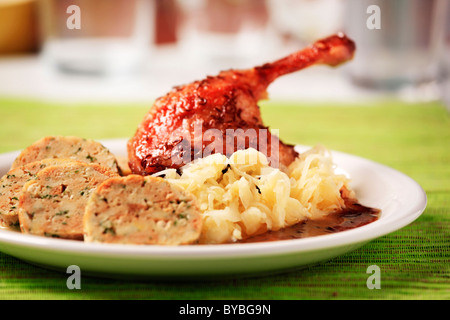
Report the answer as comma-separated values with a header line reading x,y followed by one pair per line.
x,y
91,158
46,196
226,169
62,212
109,230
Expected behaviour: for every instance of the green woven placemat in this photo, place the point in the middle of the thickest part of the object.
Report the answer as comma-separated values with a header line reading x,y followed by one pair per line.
x,y
412,138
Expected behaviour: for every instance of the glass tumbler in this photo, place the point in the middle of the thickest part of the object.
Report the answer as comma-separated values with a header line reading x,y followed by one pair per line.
x,y
97,37
404,50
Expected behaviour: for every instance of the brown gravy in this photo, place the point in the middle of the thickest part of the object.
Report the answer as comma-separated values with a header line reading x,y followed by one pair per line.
x,y
354,216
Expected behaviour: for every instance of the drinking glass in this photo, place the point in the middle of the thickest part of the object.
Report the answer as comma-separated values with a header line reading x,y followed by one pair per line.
x,y
99,37
405,51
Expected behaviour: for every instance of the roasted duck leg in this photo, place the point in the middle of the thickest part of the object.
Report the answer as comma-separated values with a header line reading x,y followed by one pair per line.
x,y
221,114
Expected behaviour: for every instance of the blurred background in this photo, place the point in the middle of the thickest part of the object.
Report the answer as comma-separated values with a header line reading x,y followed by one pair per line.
x,y
137,50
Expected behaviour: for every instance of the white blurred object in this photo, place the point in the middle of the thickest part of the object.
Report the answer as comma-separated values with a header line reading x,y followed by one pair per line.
x,y
306,20
224,32
405,54
114,38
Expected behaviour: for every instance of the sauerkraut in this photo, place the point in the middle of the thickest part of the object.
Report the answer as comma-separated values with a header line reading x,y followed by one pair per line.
x,y
243,196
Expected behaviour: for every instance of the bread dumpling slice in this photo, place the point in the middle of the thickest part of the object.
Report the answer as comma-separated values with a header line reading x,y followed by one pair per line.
x,y
53,203
11,185
142,210
70,147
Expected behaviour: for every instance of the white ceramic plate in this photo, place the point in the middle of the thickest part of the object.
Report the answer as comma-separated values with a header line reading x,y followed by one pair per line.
x,y
400,199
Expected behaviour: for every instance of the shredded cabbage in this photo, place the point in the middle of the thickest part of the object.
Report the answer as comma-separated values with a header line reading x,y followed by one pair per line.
x,y
243,196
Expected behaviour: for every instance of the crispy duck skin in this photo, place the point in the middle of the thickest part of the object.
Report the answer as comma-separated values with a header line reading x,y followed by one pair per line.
x,y
226,101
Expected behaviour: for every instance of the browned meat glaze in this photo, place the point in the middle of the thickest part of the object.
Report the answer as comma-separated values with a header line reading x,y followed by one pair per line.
x,y
166,137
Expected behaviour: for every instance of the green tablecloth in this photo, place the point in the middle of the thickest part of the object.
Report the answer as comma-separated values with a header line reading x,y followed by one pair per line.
x,y
412,138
